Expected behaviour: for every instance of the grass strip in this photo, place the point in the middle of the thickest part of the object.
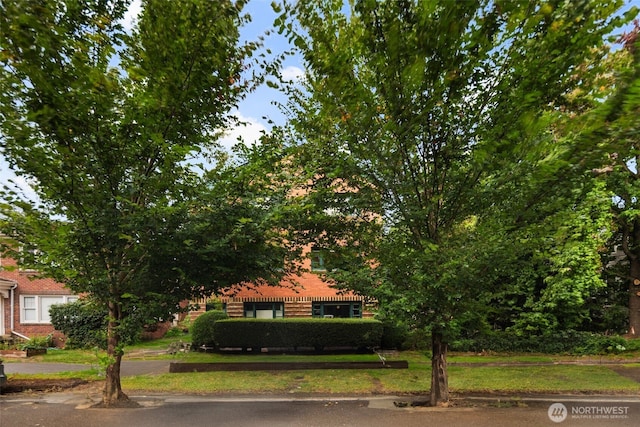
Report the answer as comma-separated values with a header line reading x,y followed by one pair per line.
x,y
416,380
540,379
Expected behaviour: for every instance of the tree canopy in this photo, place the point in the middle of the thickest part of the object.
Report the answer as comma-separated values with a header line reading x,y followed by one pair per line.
x,y
425,128
612,129
106,125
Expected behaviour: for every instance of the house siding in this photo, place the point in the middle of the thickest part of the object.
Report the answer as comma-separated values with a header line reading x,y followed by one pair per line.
x,y
297,308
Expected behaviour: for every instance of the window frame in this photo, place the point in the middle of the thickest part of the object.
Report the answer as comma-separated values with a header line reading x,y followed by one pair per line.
x,y
317,260
277,307
318,308
37,308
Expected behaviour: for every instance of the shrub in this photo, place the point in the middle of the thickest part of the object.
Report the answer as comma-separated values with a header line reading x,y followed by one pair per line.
x,y
633,344
202,329
601,344
83,323
418,339
38,342
174,332
295,333
568,341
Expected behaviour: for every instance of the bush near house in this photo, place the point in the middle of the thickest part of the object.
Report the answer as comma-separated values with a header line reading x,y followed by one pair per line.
x,y
202,328
83,323
298,333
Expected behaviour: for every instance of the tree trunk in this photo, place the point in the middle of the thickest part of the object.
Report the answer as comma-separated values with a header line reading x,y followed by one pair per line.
x,y
113,395
634,298
439,380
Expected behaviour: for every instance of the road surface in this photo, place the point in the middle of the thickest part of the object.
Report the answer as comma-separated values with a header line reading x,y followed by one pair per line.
x,y
74,410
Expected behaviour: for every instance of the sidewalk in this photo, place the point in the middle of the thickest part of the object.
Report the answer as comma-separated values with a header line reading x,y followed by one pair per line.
x,y
85,399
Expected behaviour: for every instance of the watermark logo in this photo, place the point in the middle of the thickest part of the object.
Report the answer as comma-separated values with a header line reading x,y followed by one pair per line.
x,y
557,412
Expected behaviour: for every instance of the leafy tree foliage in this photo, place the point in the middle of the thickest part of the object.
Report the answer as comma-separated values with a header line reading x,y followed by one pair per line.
x,y
612,129
555,265
413,125
106,126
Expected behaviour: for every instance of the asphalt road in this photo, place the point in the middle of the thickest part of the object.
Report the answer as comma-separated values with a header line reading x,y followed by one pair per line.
x,y
73,410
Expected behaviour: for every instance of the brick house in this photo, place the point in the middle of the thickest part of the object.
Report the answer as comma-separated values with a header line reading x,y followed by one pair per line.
x,y
306,295
25,301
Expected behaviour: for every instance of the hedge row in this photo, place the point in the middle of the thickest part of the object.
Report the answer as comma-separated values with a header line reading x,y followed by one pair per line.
x,y
297,333
569,342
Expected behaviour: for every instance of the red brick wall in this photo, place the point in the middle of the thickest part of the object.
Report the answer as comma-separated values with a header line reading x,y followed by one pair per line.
x,y
28,284
296,292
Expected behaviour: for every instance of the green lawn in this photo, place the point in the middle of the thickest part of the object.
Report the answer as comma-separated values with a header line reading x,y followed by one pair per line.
x,y
416,379
467,373
541,379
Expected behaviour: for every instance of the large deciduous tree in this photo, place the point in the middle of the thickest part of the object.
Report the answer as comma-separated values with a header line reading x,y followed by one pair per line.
x,y
613,130
105,124
411,117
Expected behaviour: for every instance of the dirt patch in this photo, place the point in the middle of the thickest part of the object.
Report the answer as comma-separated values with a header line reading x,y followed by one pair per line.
x,y
41,385
378,387
628,372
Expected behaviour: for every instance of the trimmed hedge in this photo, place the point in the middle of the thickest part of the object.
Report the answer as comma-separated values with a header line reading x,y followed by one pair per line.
x,y
296,333
202,328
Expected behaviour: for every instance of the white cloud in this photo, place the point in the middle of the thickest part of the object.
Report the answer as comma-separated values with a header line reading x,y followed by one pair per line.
x,y
292,73
132,14
250,132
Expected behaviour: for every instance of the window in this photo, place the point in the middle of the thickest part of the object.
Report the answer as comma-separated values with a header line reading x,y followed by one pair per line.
x,y
338,309
317,261
264,310
35,308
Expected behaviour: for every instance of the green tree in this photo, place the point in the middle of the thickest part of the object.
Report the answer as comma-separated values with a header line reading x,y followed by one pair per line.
x,y
554,265
410,118
559,281
106,125
612,130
